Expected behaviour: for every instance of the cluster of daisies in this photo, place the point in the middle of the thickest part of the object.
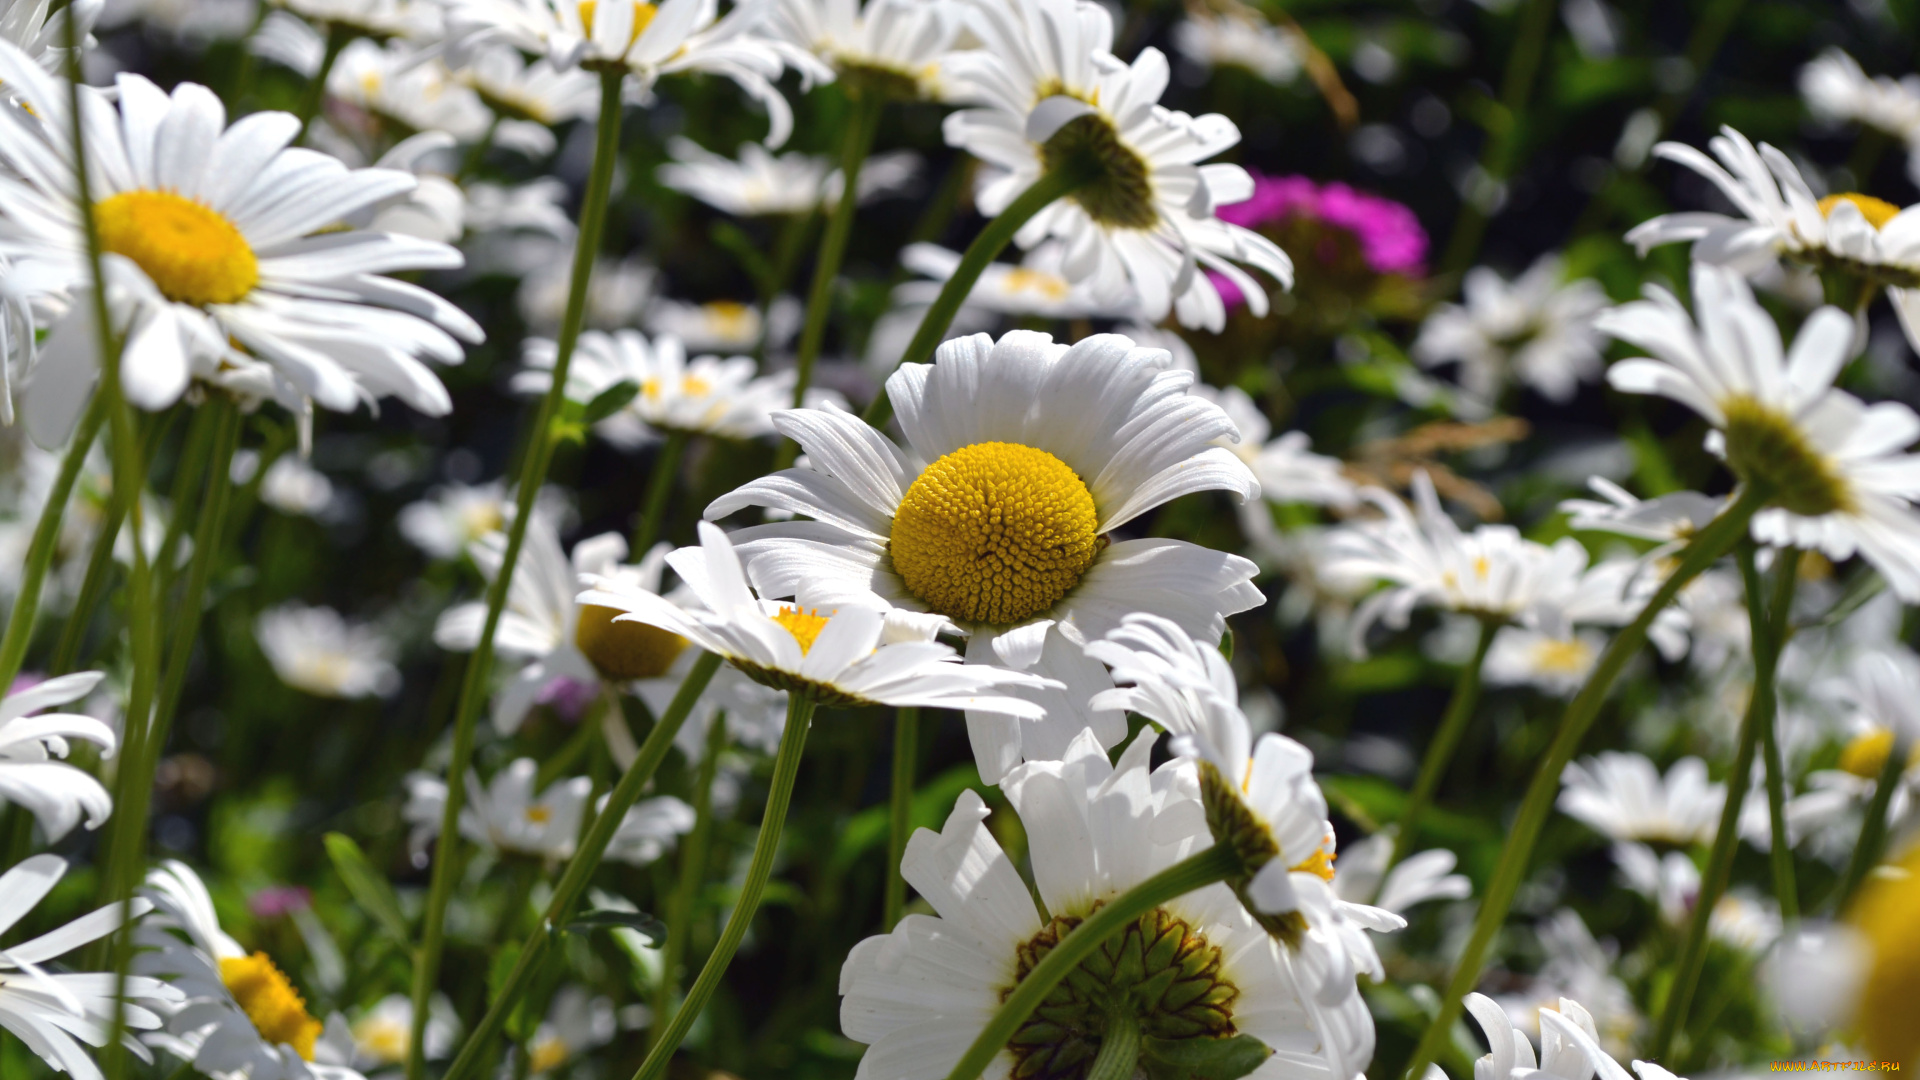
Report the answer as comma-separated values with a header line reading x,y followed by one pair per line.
x,y
1008,540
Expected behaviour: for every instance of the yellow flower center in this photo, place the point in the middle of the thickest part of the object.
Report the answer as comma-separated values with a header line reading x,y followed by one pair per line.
x,y
539,815
382,1038
192,252
277,1010
550,1052
1867,754
1020,279
695,386
1569,657
1765,444
1889,1013
642,16
1877,211
731,319
624,651
1320,863
804,625
994,533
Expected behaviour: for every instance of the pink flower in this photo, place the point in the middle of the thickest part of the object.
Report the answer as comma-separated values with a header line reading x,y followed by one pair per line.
x,y
1389,235
568,697
277,900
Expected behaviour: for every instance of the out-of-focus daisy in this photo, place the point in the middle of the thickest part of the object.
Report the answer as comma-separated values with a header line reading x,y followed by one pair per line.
x,y
725,325
619,292
454,516
996,518
1624,797
382,1034
504,814
220,257
577,1022
1671,519
1837,90
863,657
760,183
1556,664
890,48
291,485
396,82
705,396
676,37
1238,39
649,830
1536,330
240,1015
1362,876
53,1013
1841,481
1037,286
533,207
314,649
1286,467
29,26
529,98
920,995
419,20
1047,92
55,793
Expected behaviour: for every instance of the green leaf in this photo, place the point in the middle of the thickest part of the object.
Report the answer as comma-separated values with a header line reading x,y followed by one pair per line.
x,y
1204,1059
1226,644
609,401
368,886
640,922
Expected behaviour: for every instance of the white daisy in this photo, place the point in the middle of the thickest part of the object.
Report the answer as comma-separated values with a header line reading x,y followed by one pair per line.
x,y
529,98
761,183
577,1022
315,650
649,830
1536,330
619,292
1022,459
549,637
726,325
383,1033
502,815
28,25
920,995
1671,519
892,48
54,1013
1569,1046
705,396
1623,796
648,41
1037,286
1837,90
219,254
848,655
1048,93
1841,483
1556,664
57,794
291,486
453,516
1363,876
1238,39
534,207
240,1015
399,83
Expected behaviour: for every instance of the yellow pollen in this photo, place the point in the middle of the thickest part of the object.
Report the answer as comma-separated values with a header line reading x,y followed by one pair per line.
x,y
1867,754
548,1053
277,1010
804,625
731,318
1320,863
994,533
695,386
1021,279
624,651
382,1038
1877,211
192,252
1481,566
539,815
642,17
1565,657
1888,1021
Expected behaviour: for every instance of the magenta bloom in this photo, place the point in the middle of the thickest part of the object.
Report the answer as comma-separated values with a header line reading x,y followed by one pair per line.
x,y
277,900
1389,235
568,697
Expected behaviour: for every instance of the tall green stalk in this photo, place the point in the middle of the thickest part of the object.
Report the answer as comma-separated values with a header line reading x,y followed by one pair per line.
x,y
862,122
1216,863
46,537
906,761
1768,622
573,882
1446,739
1873,827
786,766
666,466
1780,854
693,871
1707,545
992,240
539,455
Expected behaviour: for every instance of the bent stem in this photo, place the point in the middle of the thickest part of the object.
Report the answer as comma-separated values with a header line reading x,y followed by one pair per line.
x,y
1780,853
539,455
786,767
46,535
693,869
573,883
1768,628
666,466
1707,545
1446,739
906,758
993,239
1216,863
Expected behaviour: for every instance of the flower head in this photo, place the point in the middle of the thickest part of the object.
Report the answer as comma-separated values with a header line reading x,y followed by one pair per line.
x,y
314,649
761,183
892,48
57,794
504,814
1537,330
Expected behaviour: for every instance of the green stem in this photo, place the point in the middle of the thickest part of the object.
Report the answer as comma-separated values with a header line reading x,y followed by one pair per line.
x,y
1119,1047
477,153
1523,63
573,883
1780,855
187,472
1707,545
46,537
992,240
539,455
1767,642
786,766
338,35
1197,871
906,760
862,124
693,870
1873,828
666,466
1446,739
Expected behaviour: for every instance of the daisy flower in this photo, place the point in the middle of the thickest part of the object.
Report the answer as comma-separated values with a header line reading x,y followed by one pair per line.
x,y
291,486
577,1022
53,1013
57,794
892,48
219,249
1363,876
1238,39
1286,467
848,655
1556,664
726,325
453,516
1839,478
1048,93
397,82
920,995
502,815
546,633
383,1033
1037,286
239,1013
620,291
703,396
1569,1046
28,26
315,650
997,518
1623,796
649,830
530,99
1536,330
1837,90
646,41
761,183
1671,519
